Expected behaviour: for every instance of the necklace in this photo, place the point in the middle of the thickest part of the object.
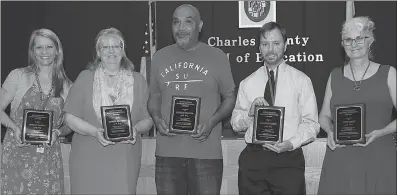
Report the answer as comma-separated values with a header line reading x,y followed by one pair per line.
x,y
43,96
357,84
114,85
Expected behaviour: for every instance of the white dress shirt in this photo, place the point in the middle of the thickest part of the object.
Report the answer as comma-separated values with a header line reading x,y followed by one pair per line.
x,y
294,91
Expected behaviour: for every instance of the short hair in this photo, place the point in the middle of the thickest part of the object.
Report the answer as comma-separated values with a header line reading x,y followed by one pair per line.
x,y
58,70
125,63
362,23
271,26
365,25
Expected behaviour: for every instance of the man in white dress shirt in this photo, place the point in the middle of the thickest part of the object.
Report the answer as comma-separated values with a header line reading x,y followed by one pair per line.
x,y
275,168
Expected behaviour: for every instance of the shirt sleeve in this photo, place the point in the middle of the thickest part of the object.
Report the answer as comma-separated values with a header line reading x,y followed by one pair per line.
x,y
240,120
10,85
75,99
154,86
225,76
309,126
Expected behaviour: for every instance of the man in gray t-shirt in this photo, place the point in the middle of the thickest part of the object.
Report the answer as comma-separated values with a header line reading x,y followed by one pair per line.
x,y
190,69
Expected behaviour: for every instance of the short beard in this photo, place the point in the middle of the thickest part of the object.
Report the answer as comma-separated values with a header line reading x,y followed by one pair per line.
x,y
183,43
276,62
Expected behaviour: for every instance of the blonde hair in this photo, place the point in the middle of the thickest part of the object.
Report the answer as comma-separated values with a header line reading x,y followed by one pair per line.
x,y
58,70
125,63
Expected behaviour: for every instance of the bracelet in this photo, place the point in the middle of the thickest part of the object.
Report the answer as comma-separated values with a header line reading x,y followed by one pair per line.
x,y
58,131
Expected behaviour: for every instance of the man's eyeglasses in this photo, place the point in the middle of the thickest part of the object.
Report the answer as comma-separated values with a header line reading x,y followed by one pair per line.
x,y
116,48
358,40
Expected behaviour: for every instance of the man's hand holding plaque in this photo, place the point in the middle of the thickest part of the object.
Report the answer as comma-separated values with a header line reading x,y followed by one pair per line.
x,y
185,112
116,122
268,125
350,124
162,127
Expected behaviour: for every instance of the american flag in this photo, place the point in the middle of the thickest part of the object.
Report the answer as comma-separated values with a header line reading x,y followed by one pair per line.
x,y
148,49
149,44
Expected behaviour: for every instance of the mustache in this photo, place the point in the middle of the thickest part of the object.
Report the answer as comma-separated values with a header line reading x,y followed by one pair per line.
x,y
182,33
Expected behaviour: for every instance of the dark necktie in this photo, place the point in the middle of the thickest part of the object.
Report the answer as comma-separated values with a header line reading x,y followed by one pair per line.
x,y
267,95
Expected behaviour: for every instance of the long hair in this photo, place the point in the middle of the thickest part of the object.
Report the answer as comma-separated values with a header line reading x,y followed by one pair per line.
x,y
58,71
125,63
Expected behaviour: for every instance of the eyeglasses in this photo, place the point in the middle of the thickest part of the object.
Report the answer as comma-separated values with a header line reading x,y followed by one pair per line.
x,y
358,40
116,48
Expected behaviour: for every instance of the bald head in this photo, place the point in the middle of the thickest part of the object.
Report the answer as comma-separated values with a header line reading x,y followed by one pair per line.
x,y
187,9
186,26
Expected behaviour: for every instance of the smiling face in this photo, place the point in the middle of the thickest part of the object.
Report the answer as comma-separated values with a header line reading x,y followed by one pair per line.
x,y
186,27
272,47
110,51
44,51
356,40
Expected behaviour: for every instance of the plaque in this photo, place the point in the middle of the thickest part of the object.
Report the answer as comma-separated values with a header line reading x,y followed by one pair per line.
x,y
37,126
268,125
349,124
185,111
116,121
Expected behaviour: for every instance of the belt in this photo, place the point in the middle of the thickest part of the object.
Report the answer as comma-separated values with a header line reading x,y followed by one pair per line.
x,y
250,145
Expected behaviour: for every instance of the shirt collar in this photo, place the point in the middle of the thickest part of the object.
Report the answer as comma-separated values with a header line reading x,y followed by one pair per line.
x,y
281,67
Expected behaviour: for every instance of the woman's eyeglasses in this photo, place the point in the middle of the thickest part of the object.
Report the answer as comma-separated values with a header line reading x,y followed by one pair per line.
x,y
116,48
358,40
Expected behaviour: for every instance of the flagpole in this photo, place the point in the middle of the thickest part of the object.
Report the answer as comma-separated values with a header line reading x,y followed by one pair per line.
x,y
350,10
150,30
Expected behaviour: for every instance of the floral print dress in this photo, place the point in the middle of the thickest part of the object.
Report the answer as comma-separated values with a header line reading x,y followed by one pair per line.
x,y
27,170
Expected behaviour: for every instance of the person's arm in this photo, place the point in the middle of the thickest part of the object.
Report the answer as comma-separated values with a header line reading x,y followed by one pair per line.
x,y
154,102
325,118
391,127
144,121
226,88
225,109
7,94
391,82
80,126
309,126
64,130
5,99
241,120
74,108
154,105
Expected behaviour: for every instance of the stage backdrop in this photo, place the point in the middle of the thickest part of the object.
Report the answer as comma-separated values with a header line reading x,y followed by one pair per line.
x,y
313,30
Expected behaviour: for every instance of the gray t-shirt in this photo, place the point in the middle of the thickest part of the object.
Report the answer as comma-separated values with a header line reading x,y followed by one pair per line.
x,y
204,72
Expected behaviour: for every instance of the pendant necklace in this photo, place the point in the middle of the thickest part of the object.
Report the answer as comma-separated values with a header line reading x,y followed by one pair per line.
x,y
43,96
357,84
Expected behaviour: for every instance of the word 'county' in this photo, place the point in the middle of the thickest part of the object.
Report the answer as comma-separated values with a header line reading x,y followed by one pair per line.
x,y
240,42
